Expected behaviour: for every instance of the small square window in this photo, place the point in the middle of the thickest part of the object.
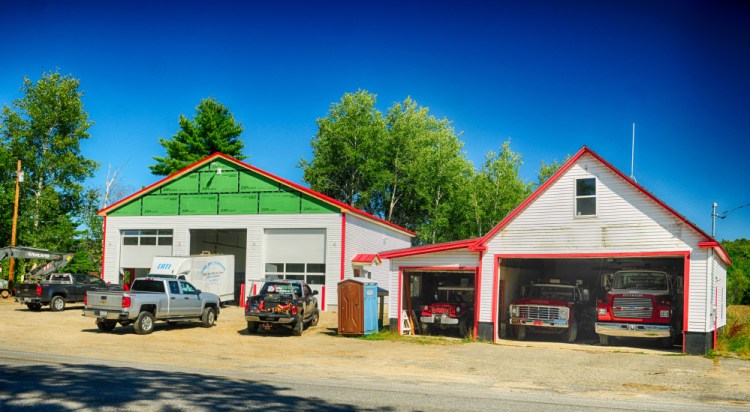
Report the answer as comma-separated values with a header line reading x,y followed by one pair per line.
x,y
130,241
316,268
295,267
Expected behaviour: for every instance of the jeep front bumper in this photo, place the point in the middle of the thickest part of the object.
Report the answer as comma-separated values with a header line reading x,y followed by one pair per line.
x,y
441,319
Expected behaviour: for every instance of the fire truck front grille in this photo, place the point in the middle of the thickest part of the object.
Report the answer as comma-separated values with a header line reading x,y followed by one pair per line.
x,y
634,308
540,312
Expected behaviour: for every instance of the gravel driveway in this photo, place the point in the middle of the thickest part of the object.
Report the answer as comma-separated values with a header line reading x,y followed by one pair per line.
x,y
543,367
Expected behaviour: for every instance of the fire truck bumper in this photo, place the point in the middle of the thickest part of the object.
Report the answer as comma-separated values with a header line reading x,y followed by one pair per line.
x,y
632,330
543,323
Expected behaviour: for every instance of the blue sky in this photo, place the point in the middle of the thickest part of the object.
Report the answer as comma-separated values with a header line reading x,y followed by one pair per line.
x,y
550,76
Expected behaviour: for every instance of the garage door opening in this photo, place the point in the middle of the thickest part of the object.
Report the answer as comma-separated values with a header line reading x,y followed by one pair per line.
x,y
584,280
223,242
440,302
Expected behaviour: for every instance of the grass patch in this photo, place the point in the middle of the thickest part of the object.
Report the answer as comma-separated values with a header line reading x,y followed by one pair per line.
x,y
388,335
734,339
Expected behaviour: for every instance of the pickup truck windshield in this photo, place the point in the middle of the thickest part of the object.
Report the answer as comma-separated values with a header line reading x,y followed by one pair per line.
x,y
146,285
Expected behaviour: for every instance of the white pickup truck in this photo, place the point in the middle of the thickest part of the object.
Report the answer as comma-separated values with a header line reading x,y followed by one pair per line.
x,y
150,300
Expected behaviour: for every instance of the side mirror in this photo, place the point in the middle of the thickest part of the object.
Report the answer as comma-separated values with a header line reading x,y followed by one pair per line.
x,y
585,295
523,291
197,291
315,292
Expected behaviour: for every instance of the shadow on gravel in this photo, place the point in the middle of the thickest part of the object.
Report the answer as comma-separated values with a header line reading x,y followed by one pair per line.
x,y
74,387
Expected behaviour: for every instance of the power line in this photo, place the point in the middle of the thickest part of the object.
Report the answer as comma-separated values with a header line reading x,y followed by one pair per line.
x,y
723,214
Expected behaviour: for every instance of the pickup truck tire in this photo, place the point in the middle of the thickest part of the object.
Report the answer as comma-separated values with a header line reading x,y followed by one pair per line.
x,y
297,331
252,327
34,306
604,340
208,317
571,334
521,333
315,319
57,304
106,325
144,324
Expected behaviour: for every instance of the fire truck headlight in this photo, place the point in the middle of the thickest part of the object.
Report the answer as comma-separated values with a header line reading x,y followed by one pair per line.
x,y
601,311
564,313
514,311
664,313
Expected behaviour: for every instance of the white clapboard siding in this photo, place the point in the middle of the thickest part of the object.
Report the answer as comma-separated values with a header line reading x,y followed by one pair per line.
x,y
626,221
447,259
364,236
255,225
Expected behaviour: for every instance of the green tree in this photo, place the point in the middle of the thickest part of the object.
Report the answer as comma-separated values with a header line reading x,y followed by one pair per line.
x,y
348,152
546,170
44,129
497,188
212,130
738,274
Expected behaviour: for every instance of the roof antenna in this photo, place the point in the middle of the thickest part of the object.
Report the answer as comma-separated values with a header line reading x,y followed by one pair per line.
x,y
632,156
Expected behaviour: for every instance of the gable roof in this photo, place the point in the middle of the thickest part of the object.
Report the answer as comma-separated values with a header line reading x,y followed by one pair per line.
x,y
708,242
343,207
366,259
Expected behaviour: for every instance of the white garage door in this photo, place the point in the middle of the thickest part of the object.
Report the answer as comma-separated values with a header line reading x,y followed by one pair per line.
x,y
297,254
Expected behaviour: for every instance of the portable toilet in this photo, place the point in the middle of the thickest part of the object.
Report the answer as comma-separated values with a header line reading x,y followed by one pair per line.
x,y
358,307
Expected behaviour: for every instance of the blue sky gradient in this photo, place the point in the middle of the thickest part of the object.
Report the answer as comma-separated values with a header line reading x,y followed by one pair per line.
x,y
550,76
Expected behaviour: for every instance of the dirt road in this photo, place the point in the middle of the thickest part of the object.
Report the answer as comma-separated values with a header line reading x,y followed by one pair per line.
x,y
544,367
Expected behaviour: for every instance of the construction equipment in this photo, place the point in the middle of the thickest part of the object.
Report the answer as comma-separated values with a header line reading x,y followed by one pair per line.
x,y
57,260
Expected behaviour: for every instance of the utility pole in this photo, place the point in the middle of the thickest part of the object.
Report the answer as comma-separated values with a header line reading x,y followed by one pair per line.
x,y
19,178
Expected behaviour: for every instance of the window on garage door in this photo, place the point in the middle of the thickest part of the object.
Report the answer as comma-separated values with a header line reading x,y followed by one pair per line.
x,y
295,254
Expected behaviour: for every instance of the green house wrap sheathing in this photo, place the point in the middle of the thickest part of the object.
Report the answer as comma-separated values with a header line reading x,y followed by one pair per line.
x,y
212,182
185,184
198,204
160,205
225,189
131,209
257,183
313,205
238,204
279,202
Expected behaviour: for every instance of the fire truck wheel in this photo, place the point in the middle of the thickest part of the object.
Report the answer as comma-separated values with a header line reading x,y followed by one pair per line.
x,y
668,342
521,334
571,334
604,340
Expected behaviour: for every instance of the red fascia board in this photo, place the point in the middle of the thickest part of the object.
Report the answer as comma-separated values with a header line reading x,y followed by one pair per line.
x,y
421,250
584,150
718,249
343,206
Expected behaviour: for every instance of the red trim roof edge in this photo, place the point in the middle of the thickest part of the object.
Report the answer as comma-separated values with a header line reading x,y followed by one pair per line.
x,y
718,249
271,176
585,150
420,250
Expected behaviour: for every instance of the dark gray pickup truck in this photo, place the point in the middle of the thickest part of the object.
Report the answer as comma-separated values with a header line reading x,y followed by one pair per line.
x,y
58,290
287,303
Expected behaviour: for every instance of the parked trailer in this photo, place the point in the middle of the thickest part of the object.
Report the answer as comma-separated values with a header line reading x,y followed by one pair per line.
x,y
209,273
